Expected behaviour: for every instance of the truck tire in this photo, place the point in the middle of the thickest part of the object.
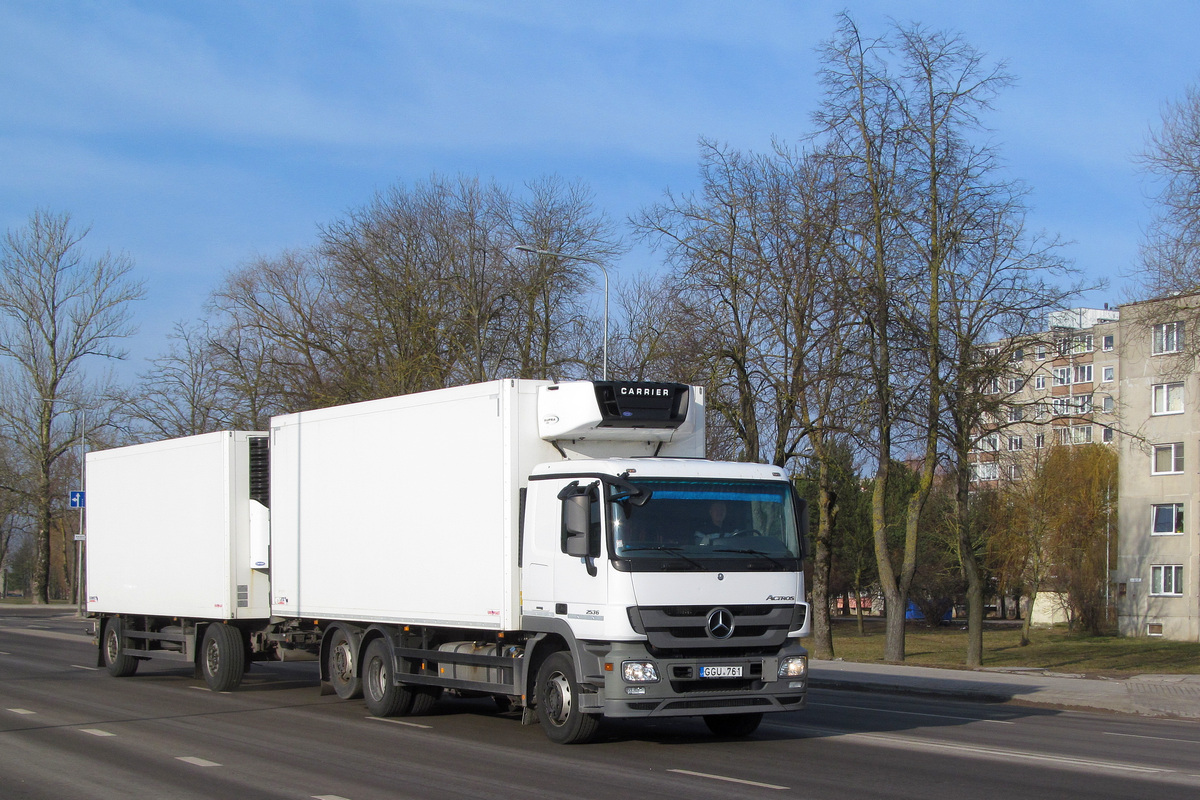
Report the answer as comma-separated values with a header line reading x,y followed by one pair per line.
x,y
558,706
342,666
111,644
733,725
222,657
385,697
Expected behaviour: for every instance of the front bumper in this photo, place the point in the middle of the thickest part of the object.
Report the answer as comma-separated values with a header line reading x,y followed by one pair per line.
x,y
681,691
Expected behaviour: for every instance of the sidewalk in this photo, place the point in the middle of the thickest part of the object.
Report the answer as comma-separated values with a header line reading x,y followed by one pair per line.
x,y
1148,695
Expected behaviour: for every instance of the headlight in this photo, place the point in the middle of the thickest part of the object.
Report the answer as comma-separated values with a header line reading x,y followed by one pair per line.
x,y
793,667
639,671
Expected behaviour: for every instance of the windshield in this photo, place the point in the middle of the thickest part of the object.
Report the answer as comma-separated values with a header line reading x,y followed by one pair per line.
x,y
700,521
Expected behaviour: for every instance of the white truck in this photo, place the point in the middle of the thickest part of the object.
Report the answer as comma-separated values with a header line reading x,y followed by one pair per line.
x,y
564,548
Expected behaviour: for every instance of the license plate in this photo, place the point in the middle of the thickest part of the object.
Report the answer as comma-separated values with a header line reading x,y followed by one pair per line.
x,y
721,672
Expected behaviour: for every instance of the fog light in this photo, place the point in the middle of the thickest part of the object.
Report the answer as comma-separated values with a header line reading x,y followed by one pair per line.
x,y
639,671
794,667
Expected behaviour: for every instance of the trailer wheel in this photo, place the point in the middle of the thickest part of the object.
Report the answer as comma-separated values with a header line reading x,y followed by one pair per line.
x,y
558,706
222,657
733,725
342,666
119,665
385,697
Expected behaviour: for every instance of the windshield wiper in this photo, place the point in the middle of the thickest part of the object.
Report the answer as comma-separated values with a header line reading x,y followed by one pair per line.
x,y
750,552
662,548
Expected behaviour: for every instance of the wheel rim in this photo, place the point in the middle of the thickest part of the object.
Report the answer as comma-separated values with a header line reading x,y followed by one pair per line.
x,y
342,662
212,657
112,645
376,678
558,698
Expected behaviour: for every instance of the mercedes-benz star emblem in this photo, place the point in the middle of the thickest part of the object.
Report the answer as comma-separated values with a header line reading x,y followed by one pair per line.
x,y
720,623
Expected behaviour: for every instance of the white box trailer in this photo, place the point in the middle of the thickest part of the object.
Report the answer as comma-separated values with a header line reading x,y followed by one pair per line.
x,y
547,544
172,528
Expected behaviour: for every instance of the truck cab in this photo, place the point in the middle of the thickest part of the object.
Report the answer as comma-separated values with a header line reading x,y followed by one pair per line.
x,y
676,584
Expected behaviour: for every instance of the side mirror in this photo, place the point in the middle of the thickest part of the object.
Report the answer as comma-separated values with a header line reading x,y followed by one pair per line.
x,y
577,510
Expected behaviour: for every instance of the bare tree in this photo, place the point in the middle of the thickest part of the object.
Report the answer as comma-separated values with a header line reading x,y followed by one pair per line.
x,y
1171,250
898,111
59,310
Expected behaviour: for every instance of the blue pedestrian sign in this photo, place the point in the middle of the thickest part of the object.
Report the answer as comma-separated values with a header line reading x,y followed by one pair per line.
x,y
78,500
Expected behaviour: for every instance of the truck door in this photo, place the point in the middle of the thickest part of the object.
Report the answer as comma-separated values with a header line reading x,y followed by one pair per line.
x,y
580,563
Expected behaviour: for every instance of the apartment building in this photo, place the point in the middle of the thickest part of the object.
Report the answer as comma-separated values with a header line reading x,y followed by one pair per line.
x,y
1125,378
1158,566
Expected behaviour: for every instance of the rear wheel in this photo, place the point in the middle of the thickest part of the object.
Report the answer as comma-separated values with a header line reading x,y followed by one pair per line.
x,y
385,698
733,725
222,657
342,666
558,702
112,644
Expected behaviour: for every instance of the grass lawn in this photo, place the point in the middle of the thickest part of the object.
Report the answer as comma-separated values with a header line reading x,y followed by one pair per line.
x,y
1056,649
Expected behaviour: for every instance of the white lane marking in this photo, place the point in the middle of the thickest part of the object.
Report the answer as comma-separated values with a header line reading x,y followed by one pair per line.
x,y
916,713
1155,738
726,779
328,797
199,762
5,653
21,711
401,722
96,732
205,689
998,753
89,669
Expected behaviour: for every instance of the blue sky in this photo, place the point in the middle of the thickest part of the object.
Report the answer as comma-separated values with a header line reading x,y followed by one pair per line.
x,y
195,136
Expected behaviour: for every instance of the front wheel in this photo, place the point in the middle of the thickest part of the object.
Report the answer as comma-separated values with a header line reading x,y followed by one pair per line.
x,y
558,702
112,645
733,725
222,657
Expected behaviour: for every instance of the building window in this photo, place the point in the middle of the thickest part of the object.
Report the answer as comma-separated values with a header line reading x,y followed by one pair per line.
x,y
1062,376
1039,382
1039,441
1079,343
1109,404
1081,434
1083,373
1168,459
1072,405
1015,385
1015,472
1041,352
1110,374
1168,398
1168,519
1108,342
986,470
1107,436
989,443
993,386
1166,579
1014,443
1018,354
1168,338
1016,413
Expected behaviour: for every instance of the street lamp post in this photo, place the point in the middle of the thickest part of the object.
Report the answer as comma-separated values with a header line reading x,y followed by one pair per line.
x,y
79,542
527,249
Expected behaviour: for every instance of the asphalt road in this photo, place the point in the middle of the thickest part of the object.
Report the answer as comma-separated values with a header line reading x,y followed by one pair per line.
x,y
69,730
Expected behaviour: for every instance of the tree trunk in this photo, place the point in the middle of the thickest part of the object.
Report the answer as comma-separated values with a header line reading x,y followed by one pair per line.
x,y
822,641
970,569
